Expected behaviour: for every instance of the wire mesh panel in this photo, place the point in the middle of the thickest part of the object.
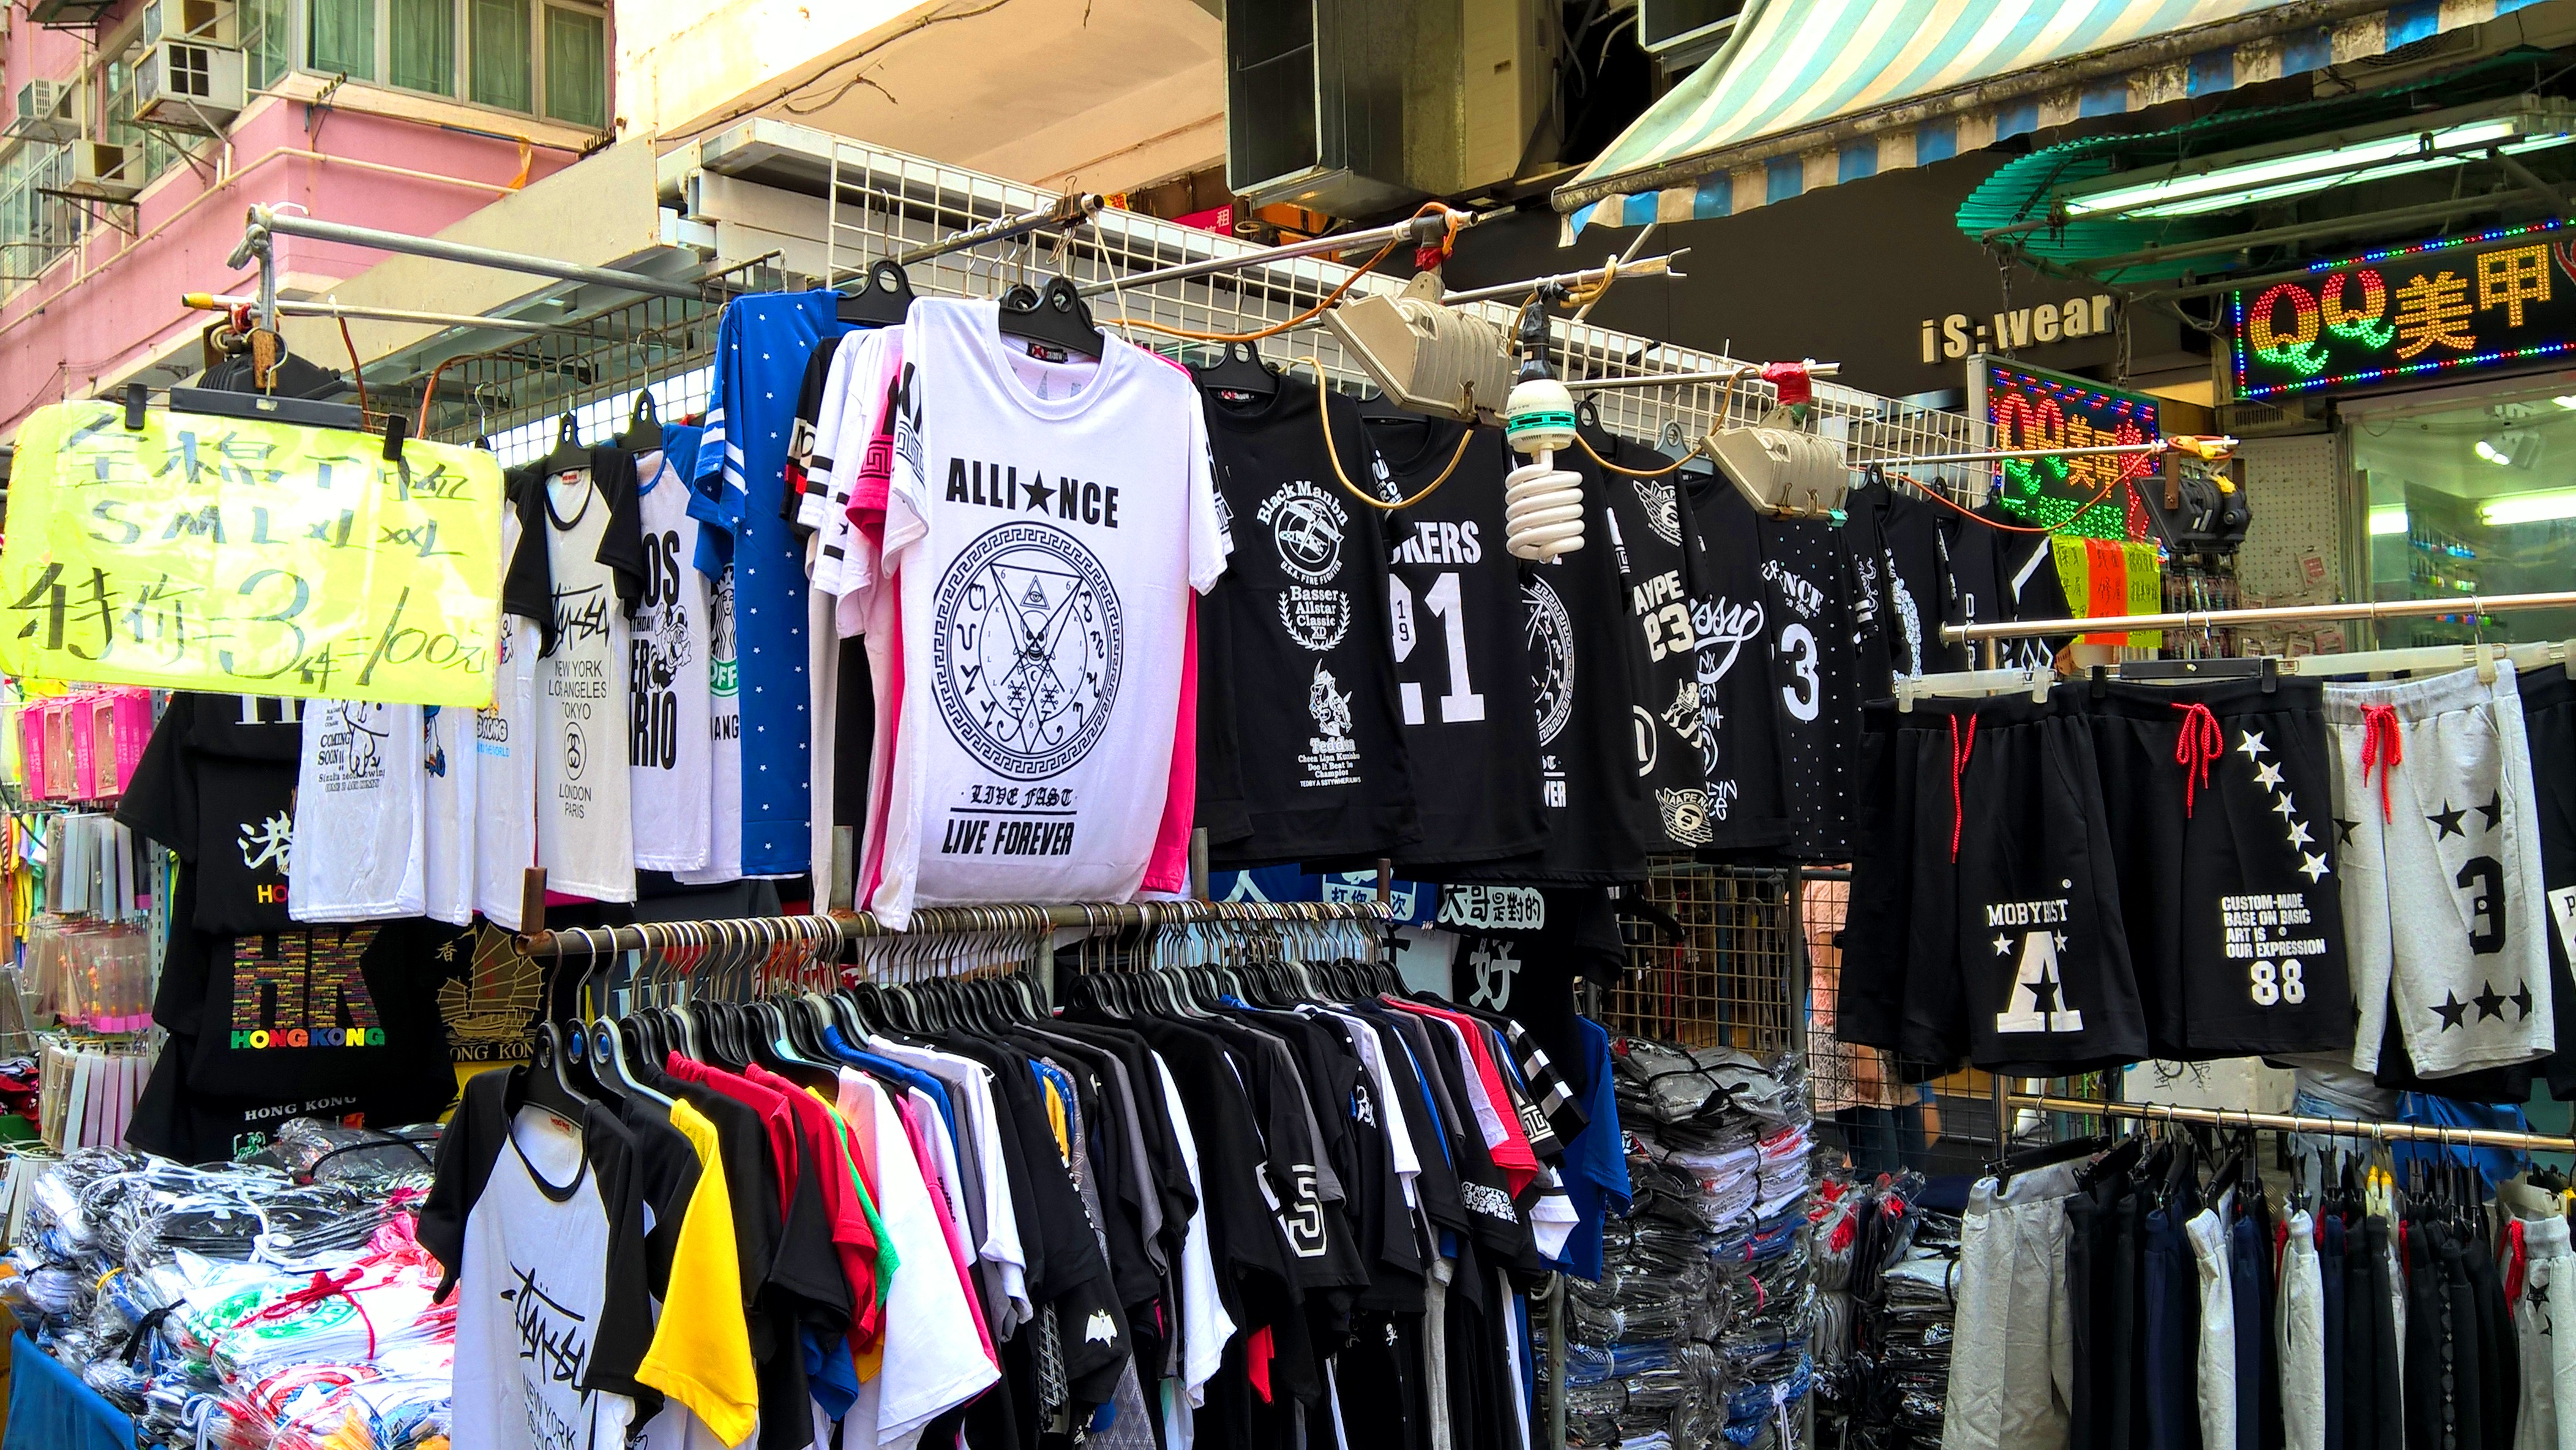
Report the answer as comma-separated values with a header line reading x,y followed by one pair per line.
x,y
1724,970
882,204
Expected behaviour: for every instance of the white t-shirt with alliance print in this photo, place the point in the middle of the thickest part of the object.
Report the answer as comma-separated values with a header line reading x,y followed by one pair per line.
x,y
1046,522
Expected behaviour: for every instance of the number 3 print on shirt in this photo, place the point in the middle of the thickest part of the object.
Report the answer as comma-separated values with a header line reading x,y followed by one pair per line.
x,y
1805,693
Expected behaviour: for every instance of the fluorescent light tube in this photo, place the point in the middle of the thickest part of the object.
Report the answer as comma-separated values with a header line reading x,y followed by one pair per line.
x,y
2254,174
2256,195
2388,518
2529,508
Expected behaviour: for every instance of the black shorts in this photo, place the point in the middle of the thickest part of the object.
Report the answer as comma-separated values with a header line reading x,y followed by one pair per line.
x,y
1869,1005
2235,917
2549,720
2017,950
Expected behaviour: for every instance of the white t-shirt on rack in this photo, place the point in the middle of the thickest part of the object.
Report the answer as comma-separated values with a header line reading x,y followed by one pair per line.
x,y
505,771
448,761
1046,522
724,742
358,813
584,823
668,708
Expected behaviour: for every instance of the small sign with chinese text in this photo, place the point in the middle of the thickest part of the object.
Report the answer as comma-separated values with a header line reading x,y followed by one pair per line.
x,y
2492,299
249,556
2091,494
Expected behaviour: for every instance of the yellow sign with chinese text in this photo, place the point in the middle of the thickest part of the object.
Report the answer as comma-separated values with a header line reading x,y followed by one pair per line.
x,y
249,556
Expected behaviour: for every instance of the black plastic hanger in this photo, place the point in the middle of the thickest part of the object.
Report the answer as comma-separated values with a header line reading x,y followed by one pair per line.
x,y
1379,408
881,300
1238,370
568,453
1056,318
2042,1157
544,1085
643,426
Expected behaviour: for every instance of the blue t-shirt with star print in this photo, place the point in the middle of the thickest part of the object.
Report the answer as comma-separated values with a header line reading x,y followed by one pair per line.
x,y
761,349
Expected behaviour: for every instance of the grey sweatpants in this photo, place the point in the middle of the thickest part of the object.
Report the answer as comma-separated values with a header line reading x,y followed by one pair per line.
x,y
2548,1358
2299,1337
2443,904
2012,1366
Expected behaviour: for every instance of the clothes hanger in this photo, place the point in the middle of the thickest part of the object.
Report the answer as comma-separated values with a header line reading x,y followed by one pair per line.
x,y
609,1045
1054,318
643,426
544,1085
568,454
1240,371
881,300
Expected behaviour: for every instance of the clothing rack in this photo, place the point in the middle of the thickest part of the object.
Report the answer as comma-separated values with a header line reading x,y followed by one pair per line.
x,y
2211,619
1071,209
839,927
2291,1123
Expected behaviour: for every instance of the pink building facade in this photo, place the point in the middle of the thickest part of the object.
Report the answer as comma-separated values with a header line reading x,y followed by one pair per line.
x,y
90,292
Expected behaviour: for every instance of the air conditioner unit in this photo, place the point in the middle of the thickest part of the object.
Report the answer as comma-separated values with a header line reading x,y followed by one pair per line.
x,y
1680,33
189,85
47,111
1352,107
105,171
207,20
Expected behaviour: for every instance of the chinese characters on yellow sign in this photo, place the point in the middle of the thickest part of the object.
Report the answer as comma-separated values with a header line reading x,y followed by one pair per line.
x,y
249,556
2487,300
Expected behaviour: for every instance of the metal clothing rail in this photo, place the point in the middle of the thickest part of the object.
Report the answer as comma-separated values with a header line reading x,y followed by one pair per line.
x,y
836,928
1072,209
267,221
2284,614
1419,230
2290,1123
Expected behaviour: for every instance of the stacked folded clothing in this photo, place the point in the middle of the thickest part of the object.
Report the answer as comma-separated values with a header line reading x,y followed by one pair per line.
x,y
1883,1379
1697,1331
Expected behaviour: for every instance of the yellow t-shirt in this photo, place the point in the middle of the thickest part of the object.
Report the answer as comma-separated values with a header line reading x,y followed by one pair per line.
x,y
701,1354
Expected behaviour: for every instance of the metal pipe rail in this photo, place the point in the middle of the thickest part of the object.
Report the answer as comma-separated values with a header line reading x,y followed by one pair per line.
x,y
269,221
296,307
844,926
1420,230
2288,1123
2193,619
1072,209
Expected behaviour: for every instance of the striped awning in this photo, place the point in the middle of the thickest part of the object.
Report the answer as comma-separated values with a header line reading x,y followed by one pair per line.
x,y
1808,93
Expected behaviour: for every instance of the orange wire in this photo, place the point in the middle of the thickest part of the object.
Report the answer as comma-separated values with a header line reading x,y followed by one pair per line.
x,y
1944,499
1302,318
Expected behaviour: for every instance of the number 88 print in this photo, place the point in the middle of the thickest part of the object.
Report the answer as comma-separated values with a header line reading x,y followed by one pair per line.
x,y
2274,985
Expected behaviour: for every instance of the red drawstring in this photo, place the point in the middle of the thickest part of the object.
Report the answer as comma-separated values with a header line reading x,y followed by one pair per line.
x,y
1960,744
2201,742
323,1286
2382,746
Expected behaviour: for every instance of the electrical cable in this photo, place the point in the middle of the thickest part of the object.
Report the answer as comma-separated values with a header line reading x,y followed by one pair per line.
x,y
1333,452
357,374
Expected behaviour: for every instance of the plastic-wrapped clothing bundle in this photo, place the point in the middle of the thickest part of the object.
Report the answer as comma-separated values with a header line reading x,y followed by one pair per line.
x,y
237,1306
1888,1389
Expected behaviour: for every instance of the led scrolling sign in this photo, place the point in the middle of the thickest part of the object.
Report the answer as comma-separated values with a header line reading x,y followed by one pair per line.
x,y
2489,299
2091,495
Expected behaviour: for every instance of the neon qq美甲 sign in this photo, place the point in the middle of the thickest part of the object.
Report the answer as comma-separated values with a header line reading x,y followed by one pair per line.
x,y
2490,299
2093,495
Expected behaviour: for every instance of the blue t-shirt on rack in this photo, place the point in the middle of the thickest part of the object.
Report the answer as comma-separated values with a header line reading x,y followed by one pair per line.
x,y
739,485
1596,1162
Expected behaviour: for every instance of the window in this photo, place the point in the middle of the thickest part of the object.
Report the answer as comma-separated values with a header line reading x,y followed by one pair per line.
x,y
116,80
423,45
34,228
528,56
344,37
577,67
498,36
267,33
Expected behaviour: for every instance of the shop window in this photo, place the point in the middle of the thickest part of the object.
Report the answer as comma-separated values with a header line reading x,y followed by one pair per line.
x,y
2470,498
